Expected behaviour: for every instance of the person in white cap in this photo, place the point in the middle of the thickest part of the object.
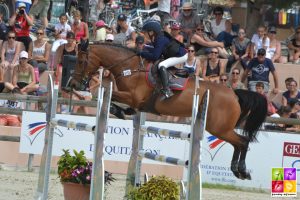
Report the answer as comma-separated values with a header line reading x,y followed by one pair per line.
x,y
109,38
27,3
23,80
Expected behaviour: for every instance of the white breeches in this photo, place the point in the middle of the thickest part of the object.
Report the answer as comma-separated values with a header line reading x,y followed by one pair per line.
x,y
57,43
173,61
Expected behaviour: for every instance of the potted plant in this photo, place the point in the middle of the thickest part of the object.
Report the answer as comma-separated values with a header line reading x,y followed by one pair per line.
x,y
75,172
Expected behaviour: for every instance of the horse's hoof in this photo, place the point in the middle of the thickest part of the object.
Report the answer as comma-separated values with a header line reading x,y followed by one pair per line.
x,y
236,174
245,175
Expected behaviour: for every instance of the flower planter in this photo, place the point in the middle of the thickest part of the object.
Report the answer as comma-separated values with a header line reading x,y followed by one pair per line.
x,y
75,191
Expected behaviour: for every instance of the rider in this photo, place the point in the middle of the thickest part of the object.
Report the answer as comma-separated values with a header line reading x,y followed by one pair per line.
x,y
163,47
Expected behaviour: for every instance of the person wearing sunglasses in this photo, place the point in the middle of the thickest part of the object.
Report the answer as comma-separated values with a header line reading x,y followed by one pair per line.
x,y
235,80
241,48
23,80
213,67
192,65
201,42
274,50
175,31
10,55
221,28
39,51
294,47
188,19
21,22
223,79
260,68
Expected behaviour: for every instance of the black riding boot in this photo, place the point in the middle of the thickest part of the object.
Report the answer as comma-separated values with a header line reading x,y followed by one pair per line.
x,y
165,83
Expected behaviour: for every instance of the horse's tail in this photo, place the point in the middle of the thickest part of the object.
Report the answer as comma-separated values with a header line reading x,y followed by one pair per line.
x,y
254,110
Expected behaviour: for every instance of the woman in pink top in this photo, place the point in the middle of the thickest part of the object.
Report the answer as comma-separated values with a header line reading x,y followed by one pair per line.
x,y
79,28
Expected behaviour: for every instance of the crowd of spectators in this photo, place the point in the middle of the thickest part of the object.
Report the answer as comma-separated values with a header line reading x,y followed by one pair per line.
x,y
216,54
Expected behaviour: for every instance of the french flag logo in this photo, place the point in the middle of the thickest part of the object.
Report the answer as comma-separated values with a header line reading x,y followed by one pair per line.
x,y
215,144
35,129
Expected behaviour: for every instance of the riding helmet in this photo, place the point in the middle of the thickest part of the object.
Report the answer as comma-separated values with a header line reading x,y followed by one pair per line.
x,y
152,25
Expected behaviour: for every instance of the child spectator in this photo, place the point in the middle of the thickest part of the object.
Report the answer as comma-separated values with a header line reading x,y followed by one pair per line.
x,y
260,89
109,38
100,32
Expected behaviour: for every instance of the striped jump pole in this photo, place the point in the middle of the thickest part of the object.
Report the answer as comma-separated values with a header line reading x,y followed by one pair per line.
x,y
165,132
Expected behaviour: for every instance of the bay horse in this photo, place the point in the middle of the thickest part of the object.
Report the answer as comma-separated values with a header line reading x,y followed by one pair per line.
x,y
227,108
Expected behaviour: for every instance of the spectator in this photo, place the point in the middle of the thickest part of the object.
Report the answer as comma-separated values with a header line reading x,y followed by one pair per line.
x,y
284,112
235,82
3,84
100,32
21,22
295,109
287,82
175,31
274,50
213,67
23,79
260,67
3,28
189,20
125,32
164,9
259,40
291,93
70,48
192,65
259,87
240,50
26,2
39,51
294,47
61,30
10,55
223,79
79,28
201,42
109,38
221,28
40,8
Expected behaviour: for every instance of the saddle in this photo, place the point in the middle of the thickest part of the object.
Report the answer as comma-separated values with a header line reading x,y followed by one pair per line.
x,y
178,78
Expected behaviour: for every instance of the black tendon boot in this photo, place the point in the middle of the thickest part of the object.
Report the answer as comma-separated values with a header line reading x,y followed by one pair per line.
x,y
165,83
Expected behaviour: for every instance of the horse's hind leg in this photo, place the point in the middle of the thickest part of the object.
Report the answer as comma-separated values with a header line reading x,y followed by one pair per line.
x,y
242,162
235,161
240,145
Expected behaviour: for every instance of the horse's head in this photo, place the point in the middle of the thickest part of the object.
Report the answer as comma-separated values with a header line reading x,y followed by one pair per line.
x,y
80,75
